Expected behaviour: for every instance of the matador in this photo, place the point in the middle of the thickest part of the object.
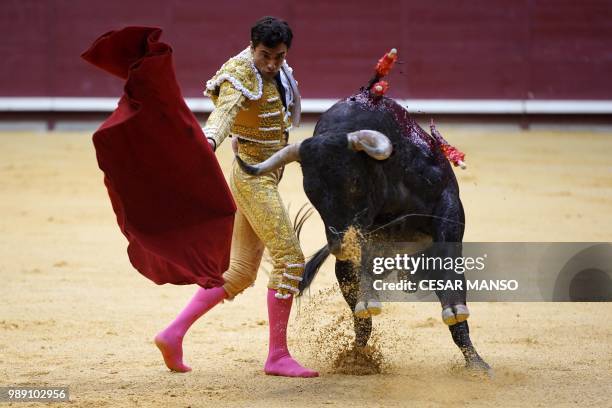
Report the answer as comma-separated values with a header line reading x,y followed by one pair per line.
x,y
256,102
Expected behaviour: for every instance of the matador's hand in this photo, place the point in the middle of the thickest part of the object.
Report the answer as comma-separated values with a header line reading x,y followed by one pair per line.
x,y
212,143
290,281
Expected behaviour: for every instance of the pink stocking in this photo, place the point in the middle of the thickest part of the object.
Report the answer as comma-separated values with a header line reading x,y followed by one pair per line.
x,y
279,360
170,340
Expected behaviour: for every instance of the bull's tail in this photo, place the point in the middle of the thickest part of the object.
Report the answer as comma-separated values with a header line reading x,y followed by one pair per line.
x,y
314,262
312,267
301,217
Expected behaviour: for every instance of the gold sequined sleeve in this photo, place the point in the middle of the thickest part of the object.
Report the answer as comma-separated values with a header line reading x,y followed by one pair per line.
x,y
227,105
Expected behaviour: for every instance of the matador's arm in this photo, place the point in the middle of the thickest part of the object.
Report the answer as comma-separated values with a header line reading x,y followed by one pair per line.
x,y
227,106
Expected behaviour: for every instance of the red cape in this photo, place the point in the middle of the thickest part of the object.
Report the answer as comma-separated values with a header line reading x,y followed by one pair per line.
x,y
165,184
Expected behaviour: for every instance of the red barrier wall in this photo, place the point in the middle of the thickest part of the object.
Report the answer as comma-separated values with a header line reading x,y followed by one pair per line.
x,y
498,49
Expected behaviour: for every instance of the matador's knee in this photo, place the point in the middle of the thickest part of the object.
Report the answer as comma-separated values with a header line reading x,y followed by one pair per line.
x,y
239,276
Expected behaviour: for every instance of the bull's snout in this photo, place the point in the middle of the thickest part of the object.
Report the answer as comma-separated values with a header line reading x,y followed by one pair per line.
x,y
335,247
335,243
334,240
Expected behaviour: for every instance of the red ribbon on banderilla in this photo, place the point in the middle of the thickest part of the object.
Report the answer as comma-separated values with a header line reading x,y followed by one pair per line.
x,y
453,154
383,67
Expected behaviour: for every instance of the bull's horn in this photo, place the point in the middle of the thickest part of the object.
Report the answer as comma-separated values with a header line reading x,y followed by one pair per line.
x,y
375,144
287,154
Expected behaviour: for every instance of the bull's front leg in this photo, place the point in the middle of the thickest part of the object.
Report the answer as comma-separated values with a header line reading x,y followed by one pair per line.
x,y
461,337
349,282
368,304
448,237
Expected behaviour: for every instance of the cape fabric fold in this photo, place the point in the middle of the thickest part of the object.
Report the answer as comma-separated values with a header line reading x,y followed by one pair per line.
x,y
165,184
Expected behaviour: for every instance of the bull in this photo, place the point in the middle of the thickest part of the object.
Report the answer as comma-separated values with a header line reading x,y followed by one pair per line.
x,y
369,166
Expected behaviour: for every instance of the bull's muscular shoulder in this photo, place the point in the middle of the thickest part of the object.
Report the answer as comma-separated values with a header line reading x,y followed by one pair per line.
x,y
241,72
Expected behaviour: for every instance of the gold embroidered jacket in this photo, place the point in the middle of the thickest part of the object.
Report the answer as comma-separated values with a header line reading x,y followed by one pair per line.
x,y
248,106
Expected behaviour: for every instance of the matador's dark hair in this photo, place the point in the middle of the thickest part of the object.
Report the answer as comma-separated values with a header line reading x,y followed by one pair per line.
x,y
271,31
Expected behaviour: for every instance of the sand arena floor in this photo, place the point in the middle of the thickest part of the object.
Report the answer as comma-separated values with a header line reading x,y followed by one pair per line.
x,y
74,313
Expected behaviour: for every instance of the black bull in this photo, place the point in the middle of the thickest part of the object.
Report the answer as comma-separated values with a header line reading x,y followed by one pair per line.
x,y
369,166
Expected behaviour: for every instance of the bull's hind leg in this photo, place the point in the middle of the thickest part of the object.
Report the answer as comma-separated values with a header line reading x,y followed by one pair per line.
x,y
349,285
448,230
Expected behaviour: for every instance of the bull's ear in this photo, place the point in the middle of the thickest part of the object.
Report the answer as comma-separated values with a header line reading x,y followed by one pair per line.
x,y
375,144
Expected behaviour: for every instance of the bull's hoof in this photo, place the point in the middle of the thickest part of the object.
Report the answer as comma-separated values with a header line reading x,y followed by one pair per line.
x,y
478,366
363,310
475,364
455,314
374,307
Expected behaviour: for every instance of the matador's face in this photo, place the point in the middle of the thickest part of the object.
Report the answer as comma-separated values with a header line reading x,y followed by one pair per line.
x,y
269,60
